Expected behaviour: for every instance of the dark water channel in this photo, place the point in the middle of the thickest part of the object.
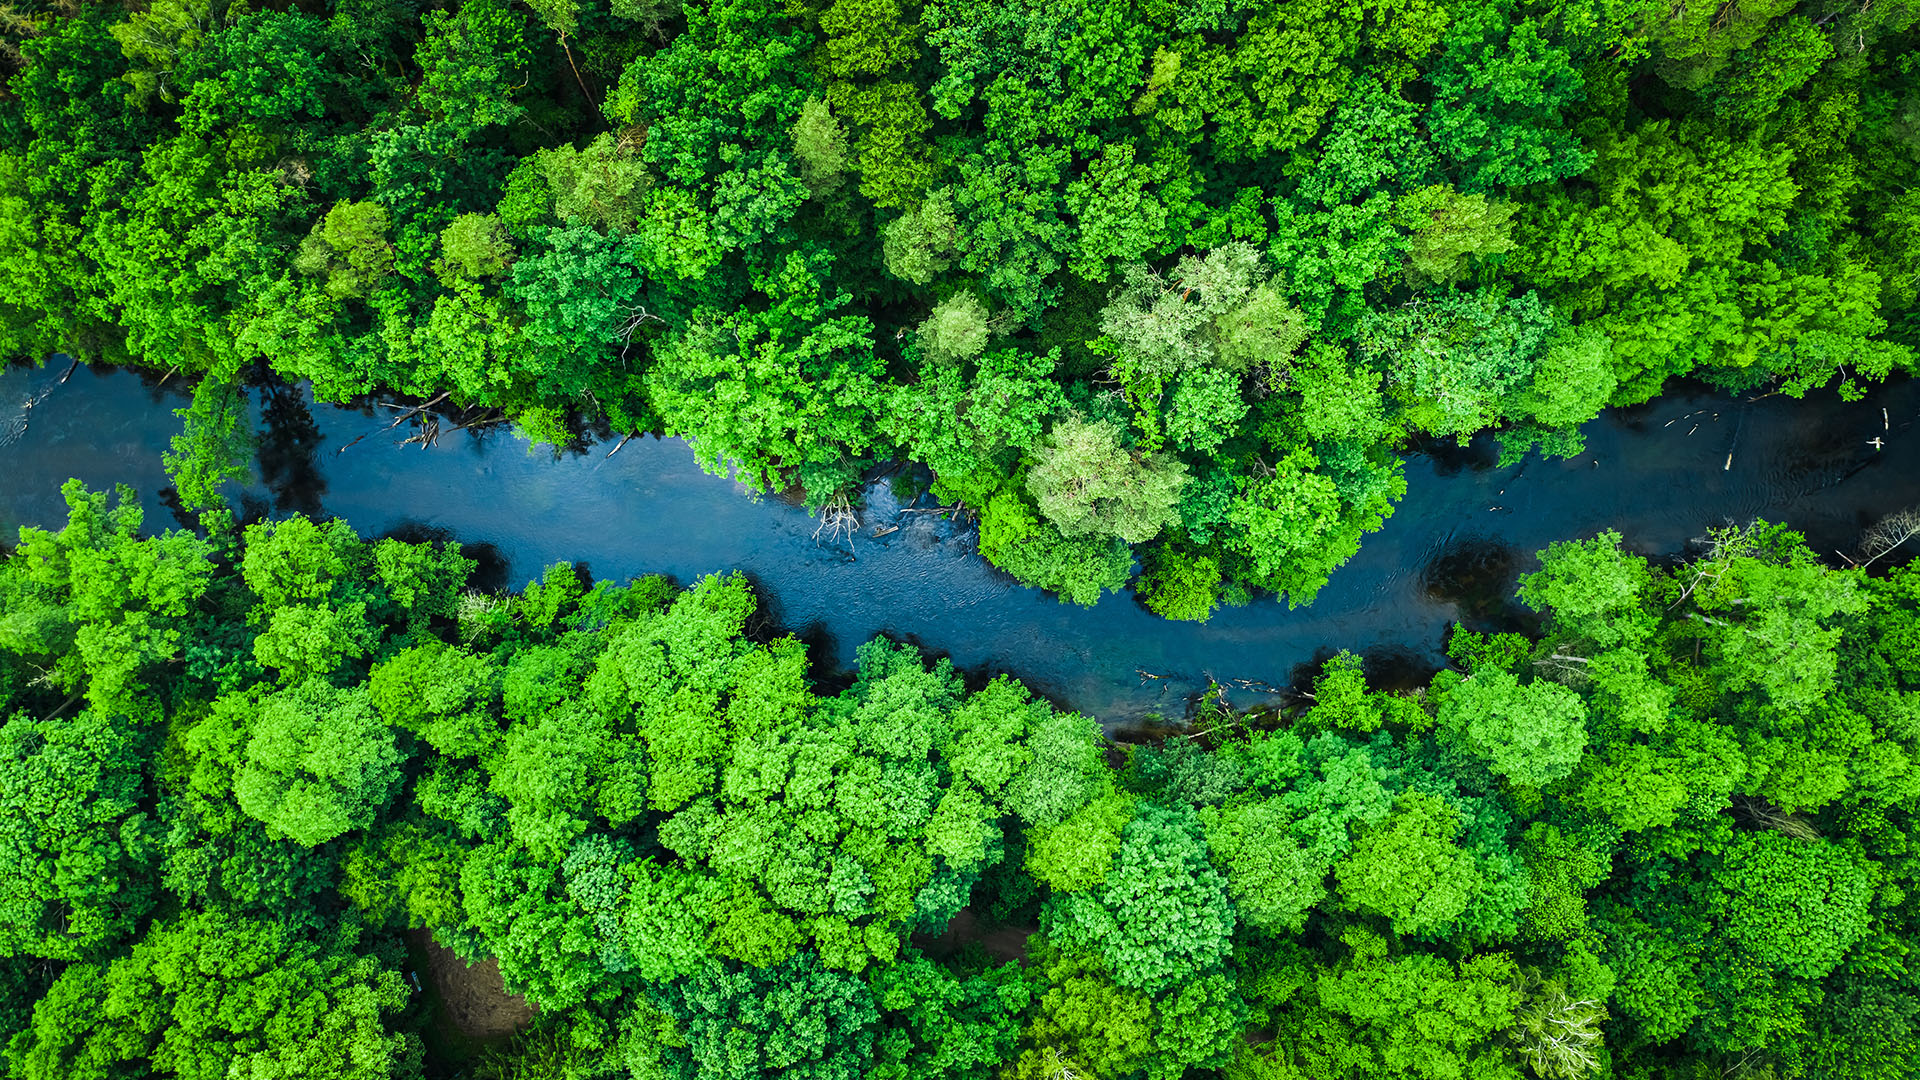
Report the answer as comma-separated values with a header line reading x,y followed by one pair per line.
x,y
1451,552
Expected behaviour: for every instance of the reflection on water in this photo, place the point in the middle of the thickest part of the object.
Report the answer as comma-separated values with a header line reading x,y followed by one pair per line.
x,y
289,442
1658,473
1477,575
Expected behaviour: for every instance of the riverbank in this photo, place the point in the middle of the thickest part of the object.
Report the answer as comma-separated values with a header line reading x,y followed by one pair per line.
x,y
1657,473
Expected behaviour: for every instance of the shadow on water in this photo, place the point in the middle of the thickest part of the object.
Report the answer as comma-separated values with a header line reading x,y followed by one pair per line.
x,y
1387,667
1477,575
1396,667
289,444
1658,473
491,569
1451,459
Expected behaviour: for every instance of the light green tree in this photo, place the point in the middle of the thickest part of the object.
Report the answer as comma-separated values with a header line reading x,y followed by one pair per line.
x,y
1087,484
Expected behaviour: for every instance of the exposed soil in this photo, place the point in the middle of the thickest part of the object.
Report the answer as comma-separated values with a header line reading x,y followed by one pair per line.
x,y
1003,943
472,998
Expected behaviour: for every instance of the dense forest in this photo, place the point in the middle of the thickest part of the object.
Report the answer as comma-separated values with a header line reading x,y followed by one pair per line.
x,y
1122,274
1672,836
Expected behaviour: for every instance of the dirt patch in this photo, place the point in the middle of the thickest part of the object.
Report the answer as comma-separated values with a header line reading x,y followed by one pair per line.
x,y
472,998
1003,943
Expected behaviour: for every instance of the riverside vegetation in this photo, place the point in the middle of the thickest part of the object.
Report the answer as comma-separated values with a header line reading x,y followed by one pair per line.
x,y
1133,279
1673,836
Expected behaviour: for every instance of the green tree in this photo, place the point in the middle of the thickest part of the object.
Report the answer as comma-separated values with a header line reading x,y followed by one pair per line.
x,y
80,844
1161,916
214,995
215,446
1087,484
319,762
1500,90
1531,734
348,249
798,1019
96,605
446,696
1794,905
820,148
475,246
1452,232
1410,869
956,330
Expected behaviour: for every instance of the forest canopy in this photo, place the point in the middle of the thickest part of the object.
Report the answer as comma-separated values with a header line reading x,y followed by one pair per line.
x,y
1673,835
1130,278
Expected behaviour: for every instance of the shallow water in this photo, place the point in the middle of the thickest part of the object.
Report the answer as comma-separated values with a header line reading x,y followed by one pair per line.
x,y
1466,529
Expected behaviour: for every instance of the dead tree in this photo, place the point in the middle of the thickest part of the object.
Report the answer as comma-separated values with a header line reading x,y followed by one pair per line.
x,y
1760,812
1889,533
1564,667
1557,1034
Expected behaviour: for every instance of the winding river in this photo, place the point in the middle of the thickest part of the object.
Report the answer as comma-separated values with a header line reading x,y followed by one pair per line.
x,y
1659,473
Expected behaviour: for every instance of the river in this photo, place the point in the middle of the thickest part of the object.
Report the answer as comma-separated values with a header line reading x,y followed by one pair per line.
x,y
1658,473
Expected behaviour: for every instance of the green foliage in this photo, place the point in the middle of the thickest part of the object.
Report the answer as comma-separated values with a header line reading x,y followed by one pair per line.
x,y
820,148
475,246
446,696
1340,699
95,605
1531,734
1501,89
919,244
1183,278
1794,905
1250,236
955,331
473,60
1463,1007
1456,362
601,185
1635,841
1452,231
348,249
1084,1024
1591,590
214,448
1160,916
1409,868
319,763
1034,551
1077,854
1274,880
1089,485
797,1019
945,1025
1179,585
81,846
217,995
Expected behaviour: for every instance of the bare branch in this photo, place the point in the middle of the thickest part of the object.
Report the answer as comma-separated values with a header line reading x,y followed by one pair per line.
x,y
1889,533
838,519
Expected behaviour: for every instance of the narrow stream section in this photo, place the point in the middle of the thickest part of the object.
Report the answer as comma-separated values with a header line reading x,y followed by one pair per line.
x,y
1658,473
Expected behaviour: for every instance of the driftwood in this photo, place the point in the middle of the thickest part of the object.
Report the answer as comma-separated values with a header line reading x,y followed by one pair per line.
x,y
955,509
412,411
484,421
428,434
838,518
